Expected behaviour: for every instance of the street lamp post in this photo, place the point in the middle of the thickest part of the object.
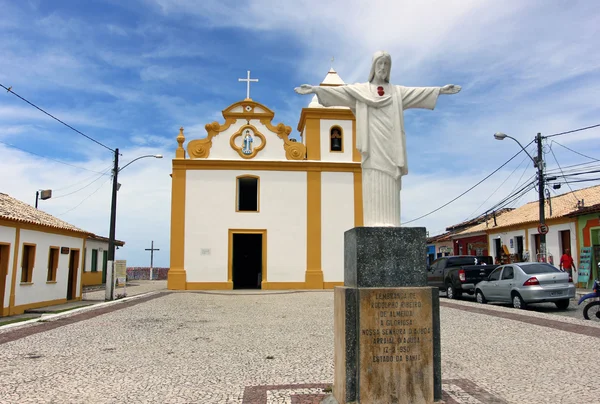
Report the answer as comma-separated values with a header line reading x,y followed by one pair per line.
x,y
110,268
538,162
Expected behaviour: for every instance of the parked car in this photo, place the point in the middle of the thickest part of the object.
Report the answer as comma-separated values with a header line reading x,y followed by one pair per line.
x,y
459,274
527,282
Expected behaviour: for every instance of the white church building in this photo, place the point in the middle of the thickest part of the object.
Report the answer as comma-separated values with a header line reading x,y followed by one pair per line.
x,y
252,208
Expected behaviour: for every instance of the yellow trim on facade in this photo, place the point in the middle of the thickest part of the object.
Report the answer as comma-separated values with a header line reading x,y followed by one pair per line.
x,y
180,152
42,229
256,149
200,148
323,113
355,153
176,278
13,281
260,165
358,200
91,278
28,306
209,286
284,285
4,264
230,234
313,140
237,186
314,272
331,285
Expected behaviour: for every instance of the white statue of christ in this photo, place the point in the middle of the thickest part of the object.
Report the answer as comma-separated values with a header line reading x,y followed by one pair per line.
x,y
378,107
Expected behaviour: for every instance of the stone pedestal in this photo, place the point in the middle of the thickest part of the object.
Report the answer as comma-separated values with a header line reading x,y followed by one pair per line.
x,y
387,335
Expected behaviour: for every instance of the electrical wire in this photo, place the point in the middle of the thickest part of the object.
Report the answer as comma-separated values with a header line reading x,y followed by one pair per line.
x,y
573,131
470,189
576,152
470,216
84,199
9,90
567,182
82,188
49,158
83,180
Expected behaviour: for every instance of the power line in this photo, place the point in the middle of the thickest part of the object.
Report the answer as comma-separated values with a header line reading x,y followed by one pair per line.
x,y
49,158
576,152
84,187
566,181
573,131
83,180
84,199
500,186
468,190
9,90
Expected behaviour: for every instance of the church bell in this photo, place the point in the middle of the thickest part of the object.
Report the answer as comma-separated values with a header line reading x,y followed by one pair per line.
x,y
336,144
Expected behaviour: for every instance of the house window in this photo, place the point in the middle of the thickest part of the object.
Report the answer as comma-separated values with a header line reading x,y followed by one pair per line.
x,y
27,263
94,260
336,139
52,264
247,193
104,261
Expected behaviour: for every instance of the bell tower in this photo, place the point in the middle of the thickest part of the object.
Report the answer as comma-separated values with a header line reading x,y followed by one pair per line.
x,y
329,133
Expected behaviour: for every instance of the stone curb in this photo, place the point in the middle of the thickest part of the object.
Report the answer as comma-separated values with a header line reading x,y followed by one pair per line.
x,y
56,316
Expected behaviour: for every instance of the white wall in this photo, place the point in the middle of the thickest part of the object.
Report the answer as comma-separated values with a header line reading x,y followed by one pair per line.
x,y
505,238
94,245
346,126
7,235
40,291
553,241
210,212
221,147
337,216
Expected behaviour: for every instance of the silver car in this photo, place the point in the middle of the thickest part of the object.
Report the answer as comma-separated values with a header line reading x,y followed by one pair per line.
x,y
527,282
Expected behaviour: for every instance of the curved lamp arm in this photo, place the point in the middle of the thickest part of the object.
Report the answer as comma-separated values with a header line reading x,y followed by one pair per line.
x,y
501,136
156,156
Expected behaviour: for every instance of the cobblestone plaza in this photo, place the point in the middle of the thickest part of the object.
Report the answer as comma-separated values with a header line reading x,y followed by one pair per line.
x,y
277,347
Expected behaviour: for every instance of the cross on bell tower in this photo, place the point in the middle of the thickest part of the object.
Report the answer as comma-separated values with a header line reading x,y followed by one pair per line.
x,y
248,80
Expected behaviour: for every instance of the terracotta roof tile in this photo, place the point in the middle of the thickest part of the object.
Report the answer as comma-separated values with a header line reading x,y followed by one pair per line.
x,y
562,205
13,209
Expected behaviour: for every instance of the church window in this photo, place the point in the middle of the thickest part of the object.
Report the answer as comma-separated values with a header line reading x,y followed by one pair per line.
x,y
247,194
336,139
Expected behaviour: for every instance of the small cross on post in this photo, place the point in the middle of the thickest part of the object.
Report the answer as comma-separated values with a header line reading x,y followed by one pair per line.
x,y
248,80
152,249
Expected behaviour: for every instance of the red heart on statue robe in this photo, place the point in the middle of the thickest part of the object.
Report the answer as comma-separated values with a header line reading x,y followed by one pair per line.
x,y
380,91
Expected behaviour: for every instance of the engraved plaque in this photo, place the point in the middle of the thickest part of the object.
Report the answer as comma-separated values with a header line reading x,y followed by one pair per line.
x,y
395,333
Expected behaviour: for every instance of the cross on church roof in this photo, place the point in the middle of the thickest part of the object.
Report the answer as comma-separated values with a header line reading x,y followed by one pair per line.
x,y
248,80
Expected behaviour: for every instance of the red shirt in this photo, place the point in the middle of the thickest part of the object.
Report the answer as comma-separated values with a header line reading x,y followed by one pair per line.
x,y
566,261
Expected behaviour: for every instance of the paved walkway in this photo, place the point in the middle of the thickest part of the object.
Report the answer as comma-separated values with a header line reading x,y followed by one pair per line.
x,y
259,348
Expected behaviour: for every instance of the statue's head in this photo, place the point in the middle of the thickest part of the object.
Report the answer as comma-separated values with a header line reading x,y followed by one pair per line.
x,y
381,66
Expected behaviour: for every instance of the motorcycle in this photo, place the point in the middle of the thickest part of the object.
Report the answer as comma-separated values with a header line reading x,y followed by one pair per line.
x,y
591,311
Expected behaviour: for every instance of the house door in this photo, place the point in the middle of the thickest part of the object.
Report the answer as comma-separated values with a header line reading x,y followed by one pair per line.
x,y
73,269
519,242
246,260
4,251
565,241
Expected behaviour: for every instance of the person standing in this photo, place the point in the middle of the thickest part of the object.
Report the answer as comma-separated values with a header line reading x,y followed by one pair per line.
x,y
566,262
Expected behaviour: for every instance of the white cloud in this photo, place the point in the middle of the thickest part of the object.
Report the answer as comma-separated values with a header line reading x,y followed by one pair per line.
x,y
525,67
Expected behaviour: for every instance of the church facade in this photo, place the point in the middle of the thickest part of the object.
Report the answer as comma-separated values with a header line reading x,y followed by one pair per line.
x,y
252,208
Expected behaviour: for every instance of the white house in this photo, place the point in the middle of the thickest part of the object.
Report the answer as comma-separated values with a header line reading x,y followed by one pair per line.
x,y
40,258
515,235
253,208
96,260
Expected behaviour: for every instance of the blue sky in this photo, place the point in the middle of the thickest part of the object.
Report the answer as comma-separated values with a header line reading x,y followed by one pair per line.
x,y
129,74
